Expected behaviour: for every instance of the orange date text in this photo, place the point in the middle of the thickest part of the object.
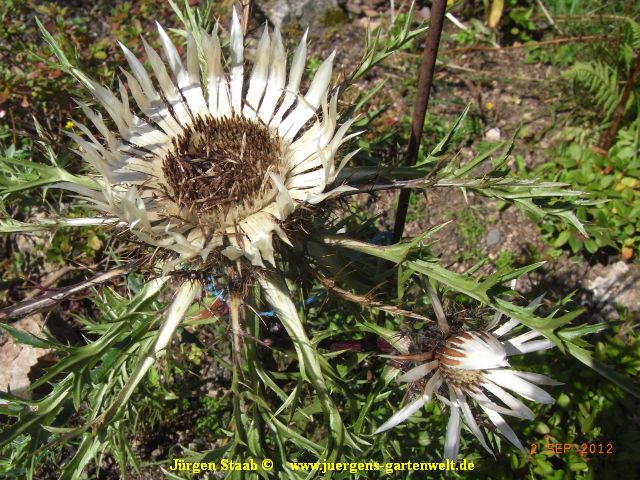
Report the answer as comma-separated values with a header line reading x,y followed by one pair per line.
x,y
585,449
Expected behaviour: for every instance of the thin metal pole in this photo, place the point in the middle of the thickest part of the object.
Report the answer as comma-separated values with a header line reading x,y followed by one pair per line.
x,y
425,80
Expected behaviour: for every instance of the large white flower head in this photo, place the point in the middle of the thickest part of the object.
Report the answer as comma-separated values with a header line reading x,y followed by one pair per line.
x,y
474,365
208,161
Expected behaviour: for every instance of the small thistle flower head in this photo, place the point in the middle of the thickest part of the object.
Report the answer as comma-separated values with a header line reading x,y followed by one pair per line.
x,y
474,366
204,161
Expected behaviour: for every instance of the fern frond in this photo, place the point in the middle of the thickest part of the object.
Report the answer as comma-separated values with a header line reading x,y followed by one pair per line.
x,y
628,56
600,80
634,27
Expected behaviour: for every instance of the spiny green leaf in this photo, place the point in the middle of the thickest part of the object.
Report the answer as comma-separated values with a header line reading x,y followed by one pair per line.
x,y
610,374
443,145
27,338
468,167
572,334
394,253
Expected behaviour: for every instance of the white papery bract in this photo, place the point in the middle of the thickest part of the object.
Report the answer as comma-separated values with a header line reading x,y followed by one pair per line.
x,y
474,366
208,161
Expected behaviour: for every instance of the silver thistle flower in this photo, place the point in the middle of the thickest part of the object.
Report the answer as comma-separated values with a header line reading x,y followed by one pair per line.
x,y
209,162
474,365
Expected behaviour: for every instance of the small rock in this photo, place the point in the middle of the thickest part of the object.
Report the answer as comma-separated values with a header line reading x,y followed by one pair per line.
x,y
354,8
423,14
155,454
305,12
366,22
493,237
493,135
370,12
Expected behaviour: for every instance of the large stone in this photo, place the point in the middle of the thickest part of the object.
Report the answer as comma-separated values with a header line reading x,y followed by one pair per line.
x,y
616,284
306,13
17,360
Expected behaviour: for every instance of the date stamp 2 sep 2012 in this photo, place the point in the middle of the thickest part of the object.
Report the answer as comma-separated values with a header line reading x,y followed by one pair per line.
x,y
583,449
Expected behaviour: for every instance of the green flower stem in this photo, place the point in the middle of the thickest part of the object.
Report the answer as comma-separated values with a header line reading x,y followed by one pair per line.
x,y
235,304
277,295
509,188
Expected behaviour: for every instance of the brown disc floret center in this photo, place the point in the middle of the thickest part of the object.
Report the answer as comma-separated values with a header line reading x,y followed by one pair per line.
x,y
219,163
463,379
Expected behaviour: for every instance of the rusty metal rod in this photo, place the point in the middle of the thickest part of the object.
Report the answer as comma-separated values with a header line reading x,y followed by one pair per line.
x,y
425,80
